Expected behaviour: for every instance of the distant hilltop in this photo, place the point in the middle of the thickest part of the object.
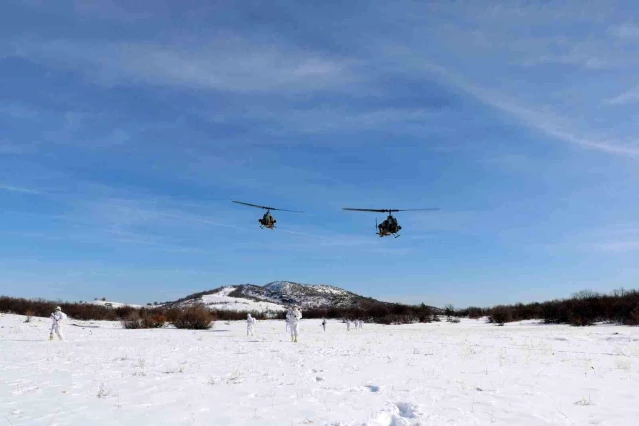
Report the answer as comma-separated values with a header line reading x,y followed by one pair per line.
x,y
274,297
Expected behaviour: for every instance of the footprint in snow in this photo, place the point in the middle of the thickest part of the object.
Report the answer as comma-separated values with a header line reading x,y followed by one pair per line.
x,y
399,414
407,410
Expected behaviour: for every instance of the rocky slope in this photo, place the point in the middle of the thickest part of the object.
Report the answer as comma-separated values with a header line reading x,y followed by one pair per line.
x,y
274,296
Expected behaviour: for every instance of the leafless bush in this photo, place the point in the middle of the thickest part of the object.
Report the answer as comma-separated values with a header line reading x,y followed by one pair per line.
x,y
143,319
633,317
154,320
500,315
132,321
474,312
103,392
196,317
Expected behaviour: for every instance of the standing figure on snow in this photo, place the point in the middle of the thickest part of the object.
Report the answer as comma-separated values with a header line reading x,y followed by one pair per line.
x,y
56,322
348,325
324,323
293,317
288,324
361,324
250,321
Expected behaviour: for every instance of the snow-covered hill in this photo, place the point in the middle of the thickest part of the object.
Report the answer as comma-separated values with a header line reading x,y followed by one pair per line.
x,y
220,299
109,304
274,297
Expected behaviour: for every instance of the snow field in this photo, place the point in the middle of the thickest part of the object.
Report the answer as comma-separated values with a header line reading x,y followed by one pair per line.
x,y
470,373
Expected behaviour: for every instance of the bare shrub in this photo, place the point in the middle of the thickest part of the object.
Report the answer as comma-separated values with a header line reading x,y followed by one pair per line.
x,y
633,317
449,311
154,320
143,319
103,392
500,315
579,319
474,312
196,317
132,321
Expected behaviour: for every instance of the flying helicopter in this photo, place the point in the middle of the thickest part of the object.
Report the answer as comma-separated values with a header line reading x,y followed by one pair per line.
x,y
390,226
267,221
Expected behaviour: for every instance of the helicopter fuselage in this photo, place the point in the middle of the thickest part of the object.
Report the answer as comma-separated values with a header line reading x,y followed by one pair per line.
x,y
389,227
267,221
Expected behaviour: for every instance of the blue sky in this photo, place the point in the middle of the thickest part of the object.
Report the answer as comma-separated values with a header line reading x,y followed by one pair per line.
x,y
127,127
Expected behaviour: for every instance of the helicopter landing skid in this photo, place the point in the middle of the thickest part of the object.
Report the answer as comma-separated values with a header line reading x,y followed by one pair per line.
x,y
387,235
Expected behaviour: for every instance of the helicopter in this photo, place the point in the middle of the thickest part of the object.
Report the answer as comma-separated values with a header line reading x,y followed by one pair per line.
x,y
267,221
390,226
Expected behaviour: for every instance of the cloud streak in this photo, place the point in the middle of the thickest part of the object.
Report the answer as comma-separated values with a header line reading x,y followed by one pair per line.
x,y
18,189
228,64
628,97
625,31
550,124
618,246
10,148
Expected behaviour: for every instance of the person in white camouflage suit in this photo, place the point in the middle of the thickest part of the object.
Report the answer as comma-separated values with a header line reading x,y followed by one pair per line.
x,y
56,322
293,316
250,323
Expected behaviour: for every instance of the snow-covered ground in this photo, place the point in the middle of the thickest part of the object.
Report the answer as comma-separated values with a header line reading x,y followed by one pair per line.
x,y
423,374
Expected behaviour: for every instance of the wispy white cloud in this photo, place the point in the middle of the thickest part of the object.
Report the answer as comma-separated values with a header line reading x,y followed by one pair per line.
x,y
336,119
630,96
611,239
550,123
18,189
625,31
549,66
617,246
571,58
72,127
104,236
225,64
18,110
8,147
112,10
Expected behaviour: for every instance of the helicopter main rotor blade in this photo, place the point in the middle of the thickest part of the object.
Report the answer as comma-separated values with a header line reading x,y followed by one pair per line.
x,y
266,207
389,210
366,210
284,210
252,205
415,210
